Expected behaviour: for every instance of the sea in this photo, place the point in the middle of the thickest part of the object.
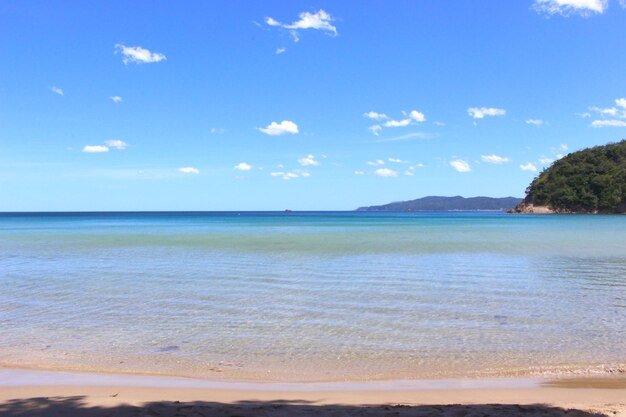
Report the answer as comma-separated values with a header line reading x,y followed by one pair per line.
x,y
314,296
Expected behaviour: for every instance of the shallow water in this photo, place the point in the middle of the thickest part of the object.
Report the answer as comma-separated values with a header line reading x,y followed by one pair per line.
x,y
313,296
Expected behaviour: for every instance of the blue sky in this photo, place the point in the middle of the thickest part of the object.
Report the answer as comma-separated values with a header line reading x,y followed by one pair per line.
x,y
230,105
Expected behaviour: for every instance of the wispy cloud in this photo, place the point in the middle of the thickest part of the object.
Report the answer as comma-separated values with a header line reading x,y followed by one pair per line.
x,y
482,112
116,99
569,7
57,90
375,116
614,116
494,159
308,161
386,172
376,163
320,20
608,123
410,118
528,167
376,129
280,51
290,175
138,55
277,129
535,122
460,165
408,136
189,170
398,161
242,166
95,149
358,172
116,143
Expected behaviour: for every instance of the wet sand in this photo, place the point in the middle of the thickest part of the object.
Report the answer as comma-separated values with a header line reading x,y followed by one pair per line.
x,y
120,395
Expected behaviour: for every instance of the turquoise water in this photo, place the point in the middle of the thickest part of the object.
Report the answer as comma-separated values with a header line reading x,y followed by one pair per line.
x,y
313,296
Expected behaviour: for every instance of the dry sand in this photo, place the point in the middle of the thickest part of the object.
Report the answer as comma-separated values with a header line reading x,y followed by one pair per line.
x,y
572,397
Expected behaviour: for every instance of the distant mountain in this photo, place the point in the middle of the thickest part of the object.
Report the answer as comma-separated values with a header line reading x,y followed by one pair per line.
x,y
457,203
592,180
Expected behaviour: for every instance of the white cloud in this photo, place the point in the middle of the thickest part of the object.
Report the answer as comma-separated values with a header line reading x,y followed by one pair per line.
x,y
376,163
398,161
386,172
320,20
95,149
285,175
116,143
280,51
408,173
189,170
357,172
57,90
304,174
138,55
411,118
271,22
116,99
608,123
609,116
417,166
482,112
545,161
439,124
376,129
276,129
528,167
564,147
494,159
217,130
398,123
375,116
611,111
567,7
417,116
294,35
408,136
308,161
460,165
535,122
242,166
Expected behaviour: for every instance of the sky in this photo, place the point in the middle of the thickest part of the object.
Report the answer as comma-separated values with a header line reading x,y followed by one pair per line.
x,y
318,105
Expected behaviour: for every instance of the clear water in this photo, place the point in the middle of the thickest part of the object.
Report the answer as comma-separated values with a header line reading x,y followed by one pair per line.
x,y
313,296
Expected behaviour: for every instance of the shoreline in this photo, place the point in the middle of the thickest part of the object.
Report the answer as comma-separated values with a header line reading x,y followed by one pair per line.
x,y
39,393
221,372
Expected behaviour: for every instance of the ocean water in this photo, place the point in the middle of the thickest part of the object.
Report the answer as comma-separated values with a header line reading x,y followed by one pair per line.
x,y
314,296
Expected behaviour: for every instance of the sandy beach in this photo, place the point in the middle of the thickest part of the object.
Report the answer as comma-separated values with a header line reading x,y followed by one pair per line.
x,y
34,393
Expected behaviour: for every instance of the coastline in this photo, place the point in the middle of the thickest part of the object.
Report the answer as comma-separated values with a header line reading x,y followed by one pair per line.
x,y
37,393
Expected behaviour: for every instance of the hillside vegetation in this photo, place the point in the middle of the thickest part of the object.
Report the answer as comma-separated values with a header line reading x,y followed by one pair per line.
x,y
457,203
589,181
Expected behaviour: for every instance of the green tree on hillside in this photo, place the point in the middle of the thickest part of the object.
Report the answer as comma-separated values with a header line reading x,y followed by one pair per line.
x,y
591,180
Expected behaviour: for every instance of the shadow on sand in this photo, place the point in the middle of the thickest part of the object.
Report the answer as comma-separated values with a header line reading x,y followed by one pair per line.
x,y
77,406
